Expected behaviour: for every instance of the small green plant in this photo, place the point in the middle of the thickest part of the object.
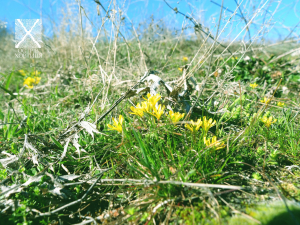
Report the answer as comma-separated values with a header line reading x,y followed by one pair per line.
x,y
256,176
3,174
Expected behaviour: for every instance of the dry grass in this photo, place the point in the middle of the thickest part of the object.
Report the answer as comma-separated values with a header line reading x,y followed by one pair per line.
x,y
154,172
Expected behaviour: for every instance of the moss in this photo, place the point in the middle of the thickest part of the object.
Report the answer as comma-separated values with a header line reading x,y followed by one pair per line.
x,y
270,214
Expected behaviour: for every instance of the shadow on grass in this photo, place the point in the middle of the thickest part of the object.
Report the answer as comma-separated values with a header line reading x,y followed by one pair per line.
x,y
286,218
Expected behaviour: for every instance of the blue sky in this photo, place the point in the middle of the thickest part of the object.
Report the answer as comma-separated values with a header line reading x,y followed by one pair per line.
x,y
204,11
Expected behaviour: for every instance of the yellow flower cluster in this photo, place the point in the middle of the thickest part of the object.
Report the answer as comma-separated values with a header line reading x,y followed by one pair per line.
x,y
206,124
157,112
33,73
117,124
268,121
194,126
138,110
22,72
254,85
214,143
266,100
149,106
280,104
32,79
185,59
175,117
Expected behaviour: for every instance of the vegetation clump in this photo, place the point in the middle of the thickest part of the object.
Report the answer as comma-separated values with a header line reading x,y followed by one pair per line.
x,y
208,135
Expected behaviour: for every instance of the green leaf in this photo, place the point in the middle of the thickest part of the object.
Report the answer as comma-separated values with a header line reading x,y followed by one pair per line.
x,y
190,173
142,146
294,78
131,211
11,131
8,80
33,171
56,90
56,142
1,115
7,91
146,155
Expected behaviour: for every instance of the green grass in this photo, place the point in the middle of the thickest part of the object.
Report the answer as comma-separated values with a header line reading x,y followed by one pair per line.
x,y
154,171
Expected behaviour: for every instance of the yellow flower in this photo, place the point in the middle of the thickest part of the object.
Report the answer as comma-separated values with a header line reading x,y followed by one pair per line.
x,y
152,100
22,72
146,106
175,117
266,100
37,80
180,69
157,112
185,59
117,124
268,121
207,124
138,110
214,143
28,82
280,104
35,73
194,126
32,74
254,85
